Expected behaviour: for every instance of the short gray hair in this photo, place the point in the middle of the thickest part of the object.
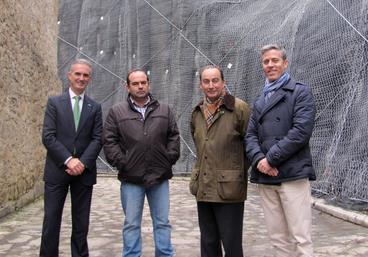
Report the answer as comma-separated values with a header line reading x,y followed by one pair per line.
x,y
81,61
269,47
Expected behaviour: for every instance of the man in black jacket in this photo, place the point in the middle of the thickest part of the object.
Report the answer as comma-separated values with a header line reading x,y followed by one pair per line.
x,y
141,139
277,145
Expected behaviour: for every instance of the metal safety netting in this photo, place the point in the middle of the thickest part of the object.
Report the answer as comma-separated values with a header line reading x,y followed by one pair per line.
x,y
327,48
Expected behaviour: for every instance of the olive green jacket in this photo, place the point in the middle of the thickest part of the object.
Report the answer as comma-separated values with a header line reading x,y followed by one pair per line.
x,y
220,171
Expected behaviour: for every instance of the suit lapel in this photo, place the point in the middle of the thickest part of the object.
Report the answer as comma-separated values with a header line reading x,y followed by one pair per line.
x,y
274,99
86,109
69,118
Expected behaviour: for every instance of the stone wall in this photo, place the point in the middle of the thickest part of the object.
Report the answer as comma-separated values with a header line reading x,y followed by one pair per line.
x,y
28,74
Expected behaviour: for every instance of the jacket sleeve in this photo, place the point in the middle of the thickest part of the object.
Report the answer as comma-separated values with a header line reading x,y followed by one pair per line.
x,y
90,154
57,150
243,123
111,142
173,139
252,145
244,119
301,131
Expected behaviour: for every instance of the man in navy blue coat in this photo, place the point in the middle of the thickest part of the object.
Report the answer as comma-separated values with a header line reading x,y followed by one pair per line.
x,y
277,145
72,136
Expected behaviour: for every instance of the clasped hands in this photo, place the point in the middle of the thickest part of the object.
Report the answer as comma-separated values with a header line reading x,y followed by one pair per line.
x,y
264,167
75,167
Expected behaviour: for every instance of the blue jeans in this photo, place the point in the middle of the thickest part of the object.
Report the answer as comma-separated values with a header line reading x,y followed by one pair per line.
x,y
132,201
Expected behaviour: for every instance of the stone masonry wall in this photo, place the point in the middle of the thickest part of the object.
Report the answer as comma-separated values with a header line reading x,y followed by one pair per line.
x,y
28,74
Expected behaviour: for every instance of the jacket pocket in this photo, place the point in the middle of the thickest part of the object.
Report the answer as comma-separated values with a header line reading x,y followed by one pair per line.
x,y
160,157
231,184
122,163
193,185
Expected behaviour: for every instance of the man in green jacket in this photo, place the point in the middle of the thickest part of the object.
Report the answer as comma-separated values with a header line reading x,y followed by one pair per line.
x,y
219,177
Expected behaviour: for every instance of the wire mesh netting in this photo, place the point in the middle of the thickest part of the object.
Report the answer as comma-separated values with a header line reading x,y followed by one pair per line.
x,y
327,49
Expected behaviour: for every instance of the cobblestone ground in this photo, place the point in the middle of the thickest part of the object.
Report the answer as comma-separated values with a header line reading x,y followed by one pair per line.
x,y
20,232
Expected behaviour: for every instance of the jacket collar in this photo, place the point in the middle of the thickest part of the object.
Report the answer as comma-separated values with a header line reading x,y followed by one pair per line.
x,y
264,106
152,102
229,102
290,85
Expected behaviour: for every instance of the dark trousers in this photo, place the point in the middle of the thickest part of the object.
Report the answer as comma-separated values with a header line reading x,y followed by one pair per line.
x,y
54,199
221,223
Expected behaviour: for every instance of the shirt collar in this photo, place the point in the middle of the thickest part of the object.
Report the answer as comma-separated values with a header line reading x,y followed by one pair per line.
x,y
72,94
145,104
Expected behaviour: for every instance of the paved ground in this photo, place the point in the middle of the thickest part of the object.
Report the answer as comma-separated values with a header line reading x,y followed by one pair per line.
x,y
20,232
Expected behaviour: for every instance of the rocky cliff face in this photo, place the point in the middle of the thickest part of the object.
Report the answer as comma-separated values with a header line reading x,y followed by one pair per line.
x,y
28,74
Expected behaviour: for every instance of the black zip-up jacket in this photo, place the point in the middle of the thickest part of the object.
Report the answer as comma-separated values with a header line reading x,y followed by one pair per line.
x,y
142,149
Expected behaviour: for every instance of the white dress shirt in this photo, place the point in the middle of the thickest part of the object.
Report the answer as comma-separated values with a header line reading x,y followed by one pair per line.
x,y
72,101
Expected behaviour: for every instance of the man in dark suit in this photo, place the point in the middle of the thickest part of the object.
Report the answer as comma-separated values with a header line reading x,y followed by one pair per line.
x,y
72,136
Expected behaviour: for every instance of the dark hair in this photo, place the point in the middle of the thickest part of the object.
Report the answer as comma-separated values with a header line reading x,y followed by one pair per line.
x,y
269,47
134,70
211,66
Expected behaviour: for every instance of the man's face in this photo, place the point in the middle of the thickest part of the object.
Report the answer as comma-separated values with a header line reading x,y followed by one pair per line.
x,y
138,86
211,84
79,77
273,64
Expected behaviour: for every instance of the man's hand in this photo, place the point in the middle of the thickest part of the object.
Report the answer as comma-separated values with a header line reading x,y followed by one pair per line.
x,y
75,167
264,167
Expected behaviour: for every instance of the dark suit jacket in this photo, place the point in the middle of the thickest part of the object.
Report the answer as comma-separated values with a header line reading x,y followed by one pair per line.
x,y
61,140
